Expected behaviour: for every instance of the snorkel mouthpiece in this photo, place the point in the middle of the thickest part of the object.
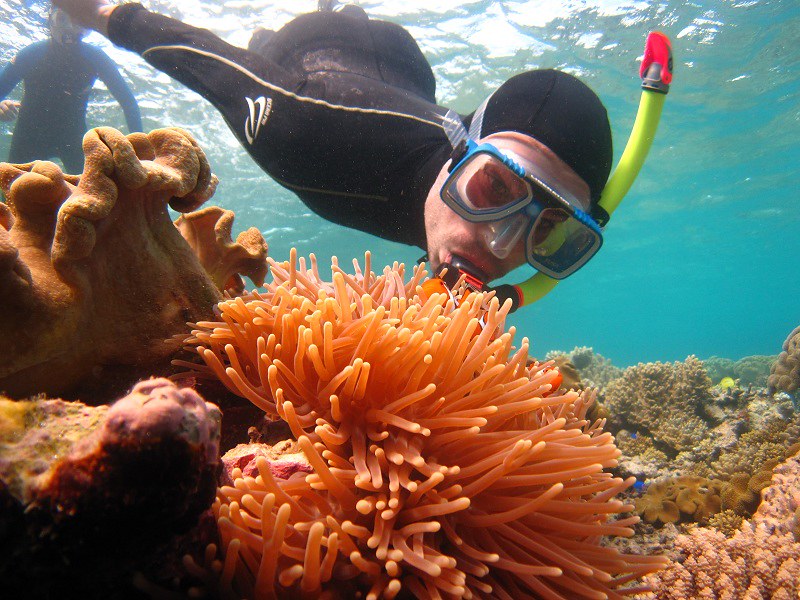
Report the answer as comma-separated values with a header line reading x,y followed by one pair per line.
x,y
458,266
475,279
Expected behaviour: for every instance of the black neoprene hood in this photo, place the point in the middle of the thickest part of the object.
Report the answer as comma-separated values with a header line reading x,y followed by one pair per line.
x,y
562,113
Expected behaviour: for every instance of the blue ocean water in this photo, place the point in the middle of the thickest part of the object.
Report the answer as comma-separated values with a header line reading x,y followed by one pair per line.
x,y
701,258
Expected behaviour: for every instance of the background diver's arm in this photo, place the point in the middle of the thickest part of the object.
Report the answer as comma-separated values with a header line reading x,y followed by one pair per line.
x,y
18,68
110,75
225,75
12,74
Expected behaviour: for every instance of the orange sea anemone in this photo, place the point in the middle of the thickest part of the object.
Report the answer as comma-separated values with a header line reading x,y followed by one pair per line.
x,y
443,468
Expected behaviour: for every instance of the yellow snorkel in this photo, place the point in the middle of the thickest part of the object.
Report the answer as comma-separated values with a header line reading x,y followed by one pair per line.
x,y
656,74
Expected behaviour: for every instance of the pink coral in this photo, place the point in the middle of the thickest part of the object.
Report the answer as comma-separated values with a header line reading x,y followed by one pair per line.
x,y
146,470
761,560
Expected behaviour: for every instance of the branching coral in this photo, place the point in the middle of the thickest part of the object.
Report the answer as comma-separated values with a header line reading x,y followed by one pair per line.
x,y
761,560
94,274
443,465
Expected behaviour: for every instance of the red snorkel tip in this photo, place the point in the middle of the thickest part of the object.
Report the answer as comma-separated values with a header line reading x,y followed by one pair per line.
x,y
656,69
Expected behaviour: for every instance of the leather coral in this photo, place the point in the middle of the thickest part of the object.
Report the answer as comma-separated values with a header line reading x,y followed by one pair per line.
x,y
94,276
444,465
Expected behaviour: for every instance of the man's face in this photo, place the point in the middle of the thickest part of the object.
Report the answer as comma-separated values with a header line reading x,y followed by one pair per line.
x,y
448,234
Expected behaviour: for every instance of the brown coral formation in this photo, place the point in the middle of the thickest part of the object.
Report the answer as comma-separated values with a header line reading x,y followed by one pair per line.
x,y
761,560
95,276
208,232
686,498
784,375
79,522
443,466
593,368
666,401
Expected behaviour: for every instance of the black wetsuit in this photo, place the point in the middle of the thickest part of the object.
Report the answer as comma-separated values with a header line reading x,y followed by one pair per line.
x,y
58,79
338,108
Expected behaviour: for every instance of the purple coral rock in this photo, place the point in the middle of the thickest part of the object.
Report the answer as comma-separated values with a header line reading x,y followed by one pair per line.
x,y
157,408
117,497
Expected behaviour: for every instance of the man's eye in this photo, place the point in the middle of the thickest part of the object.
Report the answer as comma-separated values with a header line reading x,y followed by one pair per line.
x,y
498,185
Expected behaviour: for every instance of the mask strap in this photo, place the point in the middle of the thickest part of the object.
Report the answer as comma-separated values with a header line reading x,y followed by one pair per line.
x,y
477,121
454,128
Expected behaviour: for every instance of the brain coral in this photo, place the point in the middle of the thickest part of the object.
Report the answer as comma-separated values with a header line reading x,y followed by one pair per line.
x,y
444,467
785,373
666,400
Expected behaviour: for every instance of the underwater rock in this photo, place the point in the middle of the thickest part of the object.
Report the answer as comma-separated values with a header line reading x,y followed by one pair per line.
x,y
785,373
444,465
81,512
285,459
94,275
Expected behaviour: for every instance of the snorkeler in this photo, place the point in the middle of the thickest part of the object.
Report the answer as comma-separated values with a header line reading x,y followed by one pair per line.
x,y
340,109
58,75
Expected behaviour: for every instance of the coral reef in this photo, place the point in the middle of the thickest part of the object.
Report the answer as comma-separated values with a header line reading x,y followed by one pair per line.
x,y
95,275
208,232
747,371
761,560
442,464
785,373
594,370
77,480
665,401
686,498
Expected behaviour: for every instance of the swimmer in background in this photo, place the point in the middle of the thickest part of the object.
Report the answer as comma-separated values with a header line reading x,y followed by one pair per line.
x,y
58,75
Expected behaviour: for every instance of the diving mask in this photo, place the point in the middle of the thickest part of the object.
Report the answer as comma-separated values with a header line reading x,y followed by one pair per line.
x,y
488,186
63,30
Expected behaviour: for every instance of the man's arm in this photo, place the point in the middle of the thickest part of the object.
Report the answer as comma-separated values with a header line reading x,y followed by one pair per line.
x,y
18,68
9,109
109,74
